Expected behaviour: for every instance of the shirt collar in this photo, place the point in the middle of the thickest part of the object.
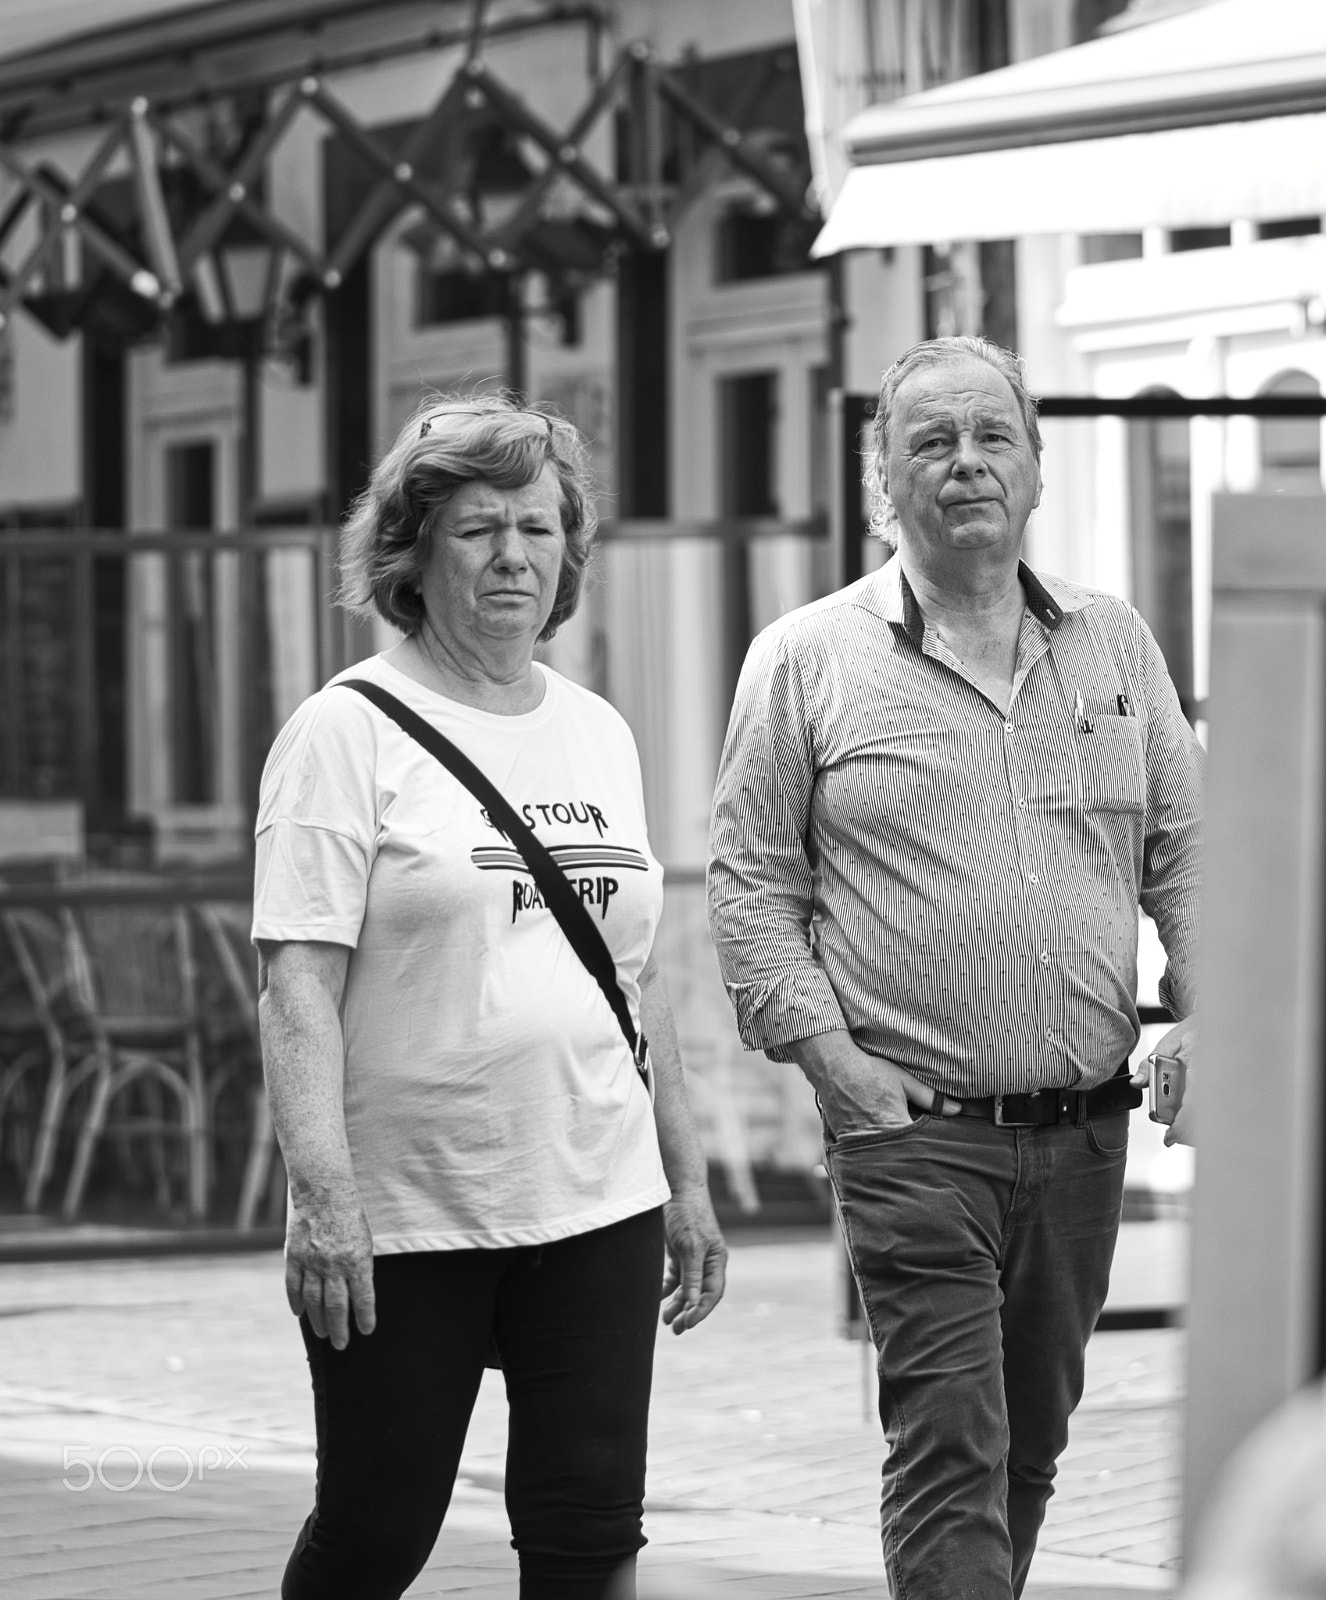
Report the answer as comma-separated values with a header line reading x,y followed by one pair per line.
x,y
1049,599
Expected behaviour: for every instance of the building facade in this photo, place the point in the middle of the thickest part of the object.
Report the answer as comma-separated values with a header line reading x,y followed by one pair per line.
x,y
236,256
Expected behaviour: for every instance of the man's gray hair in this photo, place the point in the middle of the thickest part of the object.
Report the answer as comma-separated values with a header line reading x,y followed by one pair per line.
x,y
935,353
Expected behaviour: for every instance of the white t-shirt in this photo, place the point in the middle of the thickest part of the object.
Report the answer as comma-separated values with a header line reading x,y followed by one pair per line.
x,y
490,1098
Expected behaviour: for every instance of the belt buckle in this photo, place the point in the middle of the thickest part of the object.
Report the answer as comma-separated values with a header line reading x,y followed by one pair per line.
x,y
1000,1121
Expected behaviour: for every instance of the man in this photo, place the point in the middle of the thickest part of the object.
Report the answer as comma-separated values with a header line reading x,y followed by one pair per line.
x,y
945,791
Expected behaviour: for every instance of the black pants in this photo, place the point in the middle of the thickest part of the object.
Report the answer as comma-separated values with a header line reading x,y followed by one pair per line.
x,y
575,1324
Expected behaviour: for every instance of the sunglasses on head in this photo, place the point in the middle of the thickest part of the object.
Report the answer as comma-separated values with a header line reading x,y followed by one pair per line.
x,y
460,411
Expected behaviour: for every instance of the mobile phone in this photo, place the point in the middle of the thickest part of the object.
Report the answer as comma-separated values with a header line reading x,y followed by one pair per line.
x,y
1168,1074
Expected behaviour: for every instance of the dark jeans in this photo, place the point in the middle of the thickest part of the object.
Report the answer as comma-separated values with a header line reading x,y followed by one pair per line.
x,y
574,1322
982,1255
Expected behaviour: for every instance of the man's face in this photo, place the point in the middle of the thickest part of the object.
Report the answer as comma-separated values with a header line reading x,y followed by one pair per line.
x,y
960,468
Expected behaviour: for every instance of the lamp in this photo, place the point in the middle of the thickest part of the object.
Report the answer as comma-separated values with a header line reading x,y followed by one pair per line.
x,y
250,274
236,285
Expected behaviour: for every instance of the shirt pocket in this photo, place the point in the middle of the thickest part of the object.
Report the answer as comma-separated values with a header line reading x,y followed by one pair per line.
x,y
1111,765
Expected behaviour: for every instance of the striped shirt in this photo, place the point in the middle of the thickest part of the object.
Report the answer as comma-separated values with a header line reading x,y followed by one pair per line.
x,y
892,854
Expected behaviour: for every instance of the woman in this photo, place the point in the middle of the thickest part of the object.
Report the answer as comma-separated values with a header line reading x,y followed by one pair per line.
x,y
474,1160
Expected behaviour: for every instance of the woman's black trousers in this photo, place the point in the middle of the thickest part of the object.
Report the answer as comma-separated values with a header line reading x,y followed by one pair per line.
x,y
574,1322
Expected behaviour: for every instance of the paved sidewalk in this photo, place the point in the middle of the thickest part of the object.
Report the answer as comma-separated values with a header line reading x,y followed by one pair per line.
x,y
764,1459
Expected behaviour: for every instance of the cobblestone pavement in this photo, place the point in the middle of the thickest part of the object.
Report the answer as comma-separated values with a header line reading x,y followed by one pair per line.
x,y
764,1458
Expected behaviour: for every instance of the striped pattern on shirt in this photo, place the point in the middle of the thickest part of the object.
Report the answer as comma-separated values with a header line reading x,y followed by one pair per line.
x,y
960,889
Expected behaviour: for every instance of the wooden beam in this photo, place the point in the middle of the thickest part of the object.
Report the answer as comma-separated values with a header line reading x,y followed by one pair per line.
x,y
157,235
738,149
216,178
196,54
560,160
387,198
513,110
711,160
14,213
1258,1260
70,209
401,174
724,530
238,183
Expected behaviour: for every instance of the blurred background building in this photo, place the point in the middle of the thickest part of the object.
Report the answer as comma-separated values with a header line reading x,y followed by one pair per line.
x,y
239,240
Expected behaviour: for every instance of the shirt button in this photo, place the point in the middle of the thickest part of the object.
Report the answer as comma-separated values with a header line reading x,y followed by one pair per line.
x,y
1022,805
1045,958
1033,877
1049,1033
1008,727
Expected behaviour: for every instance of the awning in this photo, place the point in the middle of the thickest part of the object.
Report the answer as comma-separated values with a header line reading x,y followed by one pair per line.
x,y
1213,115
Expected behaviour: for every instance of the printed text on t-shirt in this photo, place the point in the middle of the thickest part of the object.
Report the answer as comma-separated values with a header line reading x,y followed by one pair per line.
x,y
597,891
562,811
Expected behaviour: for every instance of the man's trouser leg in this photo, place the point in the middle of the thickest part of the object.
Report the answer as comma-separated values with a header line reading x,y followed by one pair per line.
x,y
1059,1243
933,1213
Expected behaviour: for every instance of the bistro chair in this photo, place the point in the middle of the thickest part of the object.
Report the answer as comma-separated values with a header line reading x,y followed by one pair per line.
x,y
40,1031
23,1049
41,842
235,1047
138,984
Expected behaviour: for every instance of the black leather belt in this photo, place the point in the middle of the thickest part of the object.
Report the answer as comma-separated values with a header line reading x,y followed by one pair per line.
x,y
1046,1107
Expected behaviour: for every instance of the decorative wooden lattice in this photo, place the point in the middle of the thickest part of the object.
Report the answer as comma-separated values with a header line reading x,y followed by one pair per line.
x,y
153,243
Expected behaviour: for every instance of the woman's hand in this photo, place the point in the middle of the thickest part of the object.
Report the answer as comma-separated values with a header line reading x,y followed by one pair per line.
x,y
697,1256
697,1259
329,1262
329,1246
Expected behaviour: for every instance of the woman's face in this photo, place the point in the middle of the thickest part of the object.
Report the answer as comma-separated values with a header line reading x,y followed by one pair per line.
x,y
494,561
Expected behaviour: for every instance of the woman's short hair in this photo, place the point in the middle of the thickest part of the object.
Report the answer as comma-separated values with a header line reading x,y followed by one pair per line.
x,y
934,353
450,440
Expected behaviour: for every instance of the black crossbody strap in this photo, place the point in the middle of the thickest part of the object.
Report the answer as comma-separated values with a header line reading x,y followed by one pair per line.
x,y
560,898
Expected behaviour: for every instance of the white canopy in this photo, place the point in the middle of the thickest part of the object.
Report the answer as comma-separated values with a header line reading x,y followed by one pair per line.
x,y
1213,115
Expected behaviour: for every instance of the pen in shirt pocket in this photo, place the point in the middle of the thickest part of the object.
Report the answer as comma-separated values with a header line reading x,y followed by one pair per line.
x,y
1124,703
1084,722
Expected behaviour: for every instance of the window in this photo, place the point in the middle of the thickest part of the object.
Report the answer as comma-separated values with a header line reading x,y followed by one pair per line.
x,y
1091,15
1291,446
1098,247
952,38
754,241
992,33
1288,227
971,288
748,420
749,412
999,295
1198,238
455,295
1160,487
44,629
190,475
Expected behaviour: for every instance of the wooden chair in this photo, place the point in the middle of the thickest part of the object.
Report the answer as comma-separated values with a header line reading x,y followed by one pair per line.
x,y
138,985
41,841
236,1047
22,1048
40,1030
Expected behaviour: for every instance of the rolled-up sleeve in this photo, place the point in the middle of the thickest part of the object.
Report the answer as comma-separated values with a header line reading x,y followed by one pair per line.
x,y
761,881
1171,862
